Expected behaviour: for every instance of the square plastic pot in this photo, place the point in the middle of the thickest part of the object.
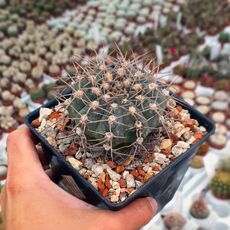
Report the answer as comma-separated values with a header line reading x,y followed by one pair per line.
x,y
162,186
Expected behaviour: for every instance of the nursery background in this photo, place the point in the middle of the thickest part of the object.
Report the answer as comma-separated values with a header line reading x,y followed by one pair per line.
x,y
188,39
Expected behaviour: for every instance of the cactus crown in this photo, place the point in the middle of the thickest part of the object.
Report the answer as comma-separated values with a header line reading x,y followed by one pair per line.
x,y
199,208
115,104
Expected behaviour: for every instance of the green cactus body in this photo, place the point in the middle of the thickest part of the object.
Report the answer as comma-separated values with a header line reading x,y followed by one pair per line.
x,y
12,30
192,73
115,105
224,37
220,185
37,95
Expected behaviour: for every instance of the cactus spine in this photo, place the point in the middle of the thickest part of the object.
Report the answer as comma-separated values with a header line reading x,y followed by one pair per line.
x,y
115,105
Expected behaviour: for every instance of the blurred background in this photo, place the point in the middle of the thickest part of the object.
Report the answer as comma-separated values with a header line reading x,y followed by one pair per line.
x,y
188,39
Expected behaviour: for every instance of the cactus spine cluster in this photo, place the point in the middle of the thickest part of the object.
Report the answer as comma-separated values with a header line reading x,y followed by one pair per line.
x,y
220,185
115,104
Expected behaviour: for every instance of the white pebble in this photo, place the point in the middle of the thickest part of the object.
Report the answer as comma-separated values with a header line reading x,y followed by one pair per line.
x,y
159,158
97,169
124,174
113,175
114,198
130,181
146,168
176,150
191,140
82,171
138,183
182,144
44,113
115,185
74,162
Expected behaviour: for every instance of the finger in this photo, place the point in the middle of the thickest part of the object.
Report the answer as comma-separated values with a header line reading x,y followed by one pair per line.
x,y
138,213
21,152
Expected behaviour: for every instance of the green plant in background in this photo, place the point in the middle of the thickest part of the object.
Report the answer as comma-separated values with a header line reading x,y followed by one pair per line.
x,y
37,94
224,164
179,70
224,37
206,52
115,105
192,73
199,208
197,162
220,184
209,15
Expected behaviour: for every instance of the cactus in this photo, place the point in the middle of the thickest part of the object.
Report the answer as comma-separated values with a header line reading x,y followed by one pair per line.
x,y
173,221
220,185
224,164
37,95
179,70
197,162
192,73
115,105
206,52
199,208
224,37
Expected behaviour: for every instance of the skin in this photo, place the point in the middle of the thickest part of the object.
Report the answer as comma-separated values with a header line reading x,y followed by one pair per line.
x,y
30,200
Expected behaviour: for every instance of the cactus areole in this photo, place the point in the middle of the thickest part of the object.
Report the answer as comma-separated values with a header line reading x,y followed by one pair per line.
x,y
115,105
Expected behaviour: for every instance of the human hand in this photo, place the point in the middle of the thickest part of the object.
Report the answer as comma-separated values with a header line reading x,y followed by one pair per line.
x,y
30,200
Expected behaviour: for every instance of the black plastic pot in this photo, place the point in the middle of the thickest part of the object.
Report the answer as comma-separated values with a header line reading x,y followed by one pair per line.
x,y
162,186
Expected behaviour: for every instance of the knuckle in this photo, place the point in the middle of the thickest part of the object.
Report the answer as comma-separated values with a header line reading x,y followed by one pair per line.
x,y
145,210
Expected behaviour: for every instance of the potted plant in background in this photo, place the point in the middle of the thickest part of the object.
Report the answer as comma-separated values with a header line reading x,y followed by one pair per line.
x,y
119,132
223,38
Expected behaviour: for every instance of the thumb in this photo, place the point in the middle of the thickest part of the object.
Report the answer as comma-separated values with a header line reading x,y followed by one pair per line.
x,y
138,213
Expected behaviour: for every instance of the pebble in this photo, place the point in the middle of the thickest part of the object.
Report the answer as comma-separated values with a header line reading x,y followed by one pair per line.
x,y
159,158
191,140
124,174
102,177
89,163
114,198
146,168
184,115
183,144
138,183
113,175
130,181
187,135
44,113
182,131
115,185
176,150
123,198
51,141
62,147
165,144
82,171
97,169
74,162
